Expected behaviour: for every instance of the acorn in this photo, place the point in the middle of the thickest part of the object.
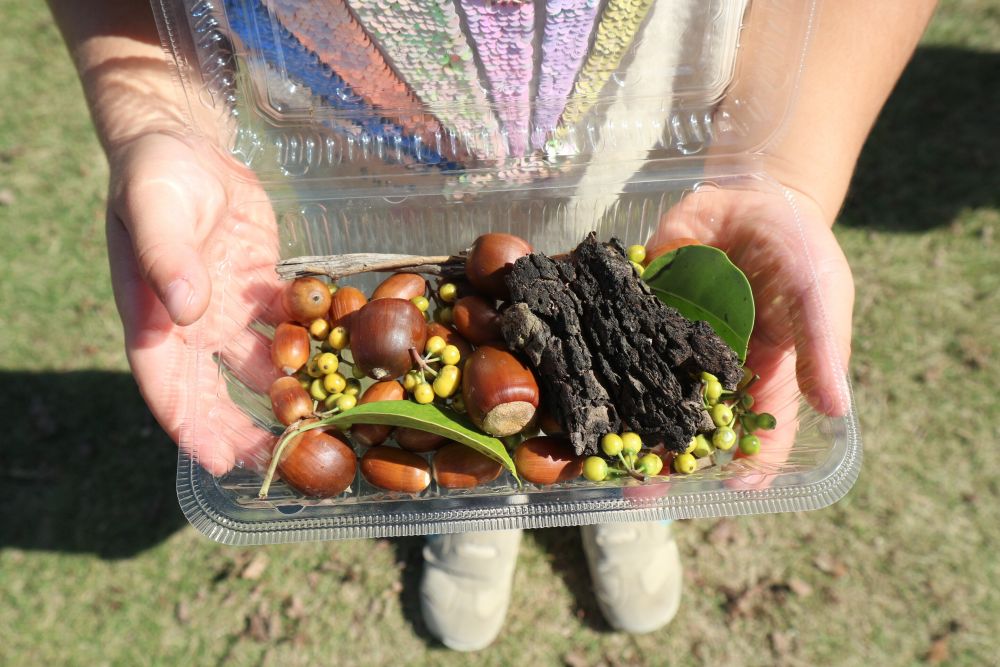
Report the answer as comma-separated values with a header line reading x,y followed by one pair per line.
x,y
547,460
290,347
344,303
395,470
289,401
415,440
318,464
370,435
382,333
490,260
499,391
400,286
306,299
456,466
477,320
548,422
451,337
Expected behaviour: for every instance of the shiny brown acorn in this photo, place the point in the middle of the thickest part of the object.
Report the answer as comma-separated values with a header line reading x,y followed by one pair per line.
x,y
395,470
477,320
456,466
382,333
306,300
290,347
344,303
415,440
547,460
370,435
400,286
289,401
489,262
318,464
499,390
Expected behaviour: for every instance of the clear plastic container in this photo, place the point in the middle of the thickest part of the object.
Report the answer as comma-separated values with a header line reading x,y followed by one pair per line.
x,y
384,126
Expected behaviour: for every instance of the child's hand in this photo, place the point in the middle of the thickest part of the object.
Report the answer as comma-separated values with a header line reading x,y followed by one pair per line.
x,y
171,214
804,295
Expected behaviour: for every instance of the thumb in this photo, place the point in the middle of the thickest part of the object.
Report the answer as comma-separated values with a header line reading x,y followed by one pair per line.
x,y
161,219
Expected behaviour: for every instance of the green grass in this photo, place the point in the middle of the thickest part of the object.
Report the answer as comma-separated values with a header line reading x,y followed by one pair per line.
x,y
98,567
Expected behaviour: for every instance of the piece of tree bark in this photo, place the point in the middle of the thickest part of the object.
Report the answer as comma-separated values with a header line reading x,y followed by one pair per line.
x,y
611,356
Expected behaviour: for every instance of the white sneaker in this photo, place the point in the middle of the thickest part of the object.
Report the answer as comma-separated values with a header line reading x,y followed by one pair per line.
x,y
636,572
466,585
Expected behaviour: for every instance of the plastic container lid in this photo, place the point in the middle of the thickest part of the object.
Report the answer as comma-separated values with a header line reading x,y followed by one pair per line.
x,y
414,126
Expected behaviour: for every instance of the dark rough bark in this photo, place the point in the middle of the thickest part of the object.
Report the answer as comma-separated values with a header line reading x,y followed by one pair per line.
x,y
611,356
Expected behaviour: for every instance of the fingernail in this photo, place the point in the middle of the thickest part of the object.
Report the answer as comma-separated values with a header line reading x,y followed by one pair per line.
x,y
177,298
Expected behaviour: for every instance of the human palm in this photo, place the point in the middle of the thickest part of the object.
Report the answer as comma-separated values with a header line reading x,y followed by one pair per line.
x,y
803,292
192,243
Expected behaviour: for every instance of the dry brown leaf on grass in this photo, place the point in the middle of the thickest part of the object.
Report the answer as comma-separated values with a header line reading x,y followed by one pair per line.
x,y
938,652
799,587
828,564
255,568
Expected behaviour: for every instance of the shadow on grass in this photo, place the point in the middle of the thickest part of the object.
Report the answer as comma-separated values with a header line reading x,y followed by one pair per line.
x,y
85,467
409,554
935,149
564,548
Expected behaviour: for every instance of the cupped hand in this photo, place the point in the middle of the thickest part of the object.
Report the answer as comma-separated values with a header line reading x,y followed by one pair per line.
x,y
192,244
804,296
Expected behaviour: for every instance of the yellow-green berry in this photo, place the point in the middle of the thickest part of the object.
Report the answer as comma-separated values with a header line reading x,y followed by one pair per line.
x,y
448,292
421,303
702,448
411,380
339,338
346,402
423,393
451,355
316,390
750,445
631,442
595,469
435,344
637,253
334,383
722,414
651,464
724,438
328,363
446,383
685,464
353,387
612,445
713,391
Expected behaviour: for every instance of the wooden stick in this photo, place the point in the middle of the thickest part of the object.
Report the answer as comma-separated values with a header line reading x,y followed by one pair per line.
x,y
338,266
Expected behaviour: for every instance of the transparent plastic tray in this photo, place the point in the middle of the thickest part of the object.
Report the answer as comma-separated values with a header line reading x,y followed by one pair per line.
x,y
414,127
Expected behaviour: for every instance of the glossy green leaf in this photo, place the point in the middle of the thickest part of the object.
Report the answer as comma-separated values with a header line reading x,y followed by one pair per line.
x,y
429,418
702,284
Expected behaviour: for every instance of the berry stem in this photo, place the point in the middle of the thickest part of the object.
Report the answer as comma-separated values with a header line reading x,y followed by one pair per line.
x,y
293,429
421,363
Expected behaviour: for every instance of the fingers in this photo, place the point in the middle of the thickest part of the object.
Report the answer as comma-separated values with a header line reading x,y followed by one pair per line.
x,y
776,393
160,216
218,435
822,313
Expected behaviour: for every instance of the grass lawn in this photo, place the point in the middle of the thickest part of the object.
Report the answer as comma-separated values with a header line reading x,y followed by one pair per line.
x,y
98,567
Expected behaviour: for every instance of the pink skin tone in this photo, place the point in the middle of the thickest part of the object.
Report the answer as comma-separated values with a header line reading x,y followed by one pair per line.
x,y
171,209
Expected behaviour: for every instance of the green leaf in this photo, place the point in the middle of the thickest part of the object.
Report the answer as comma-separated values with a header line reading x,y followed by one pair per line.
x,y
702,284
429,418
